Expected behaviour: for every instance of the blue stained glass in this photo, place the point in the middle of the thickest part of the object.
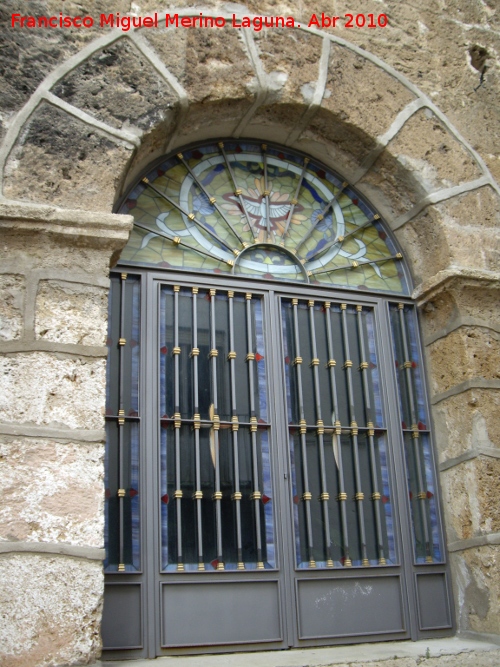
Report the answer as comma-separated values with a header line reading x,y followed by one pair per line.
x,y
136,349
135,499
261,364
268,506
386,498
370,326
163,494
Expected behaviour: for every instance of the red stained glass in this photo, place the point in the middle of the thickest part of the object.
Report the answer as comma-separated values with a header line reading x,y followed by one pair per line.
x,y
385,499
261,421
107,493
133,343
397,363
372,365
403,424
164,349
355,202
165,499
258,357
131,203
414,364
238,149
382,235
132,493
430,495
287,360
160,172
296,500
422,426
164,265
411,495
265,499
197,154
214,563
321,173
268,276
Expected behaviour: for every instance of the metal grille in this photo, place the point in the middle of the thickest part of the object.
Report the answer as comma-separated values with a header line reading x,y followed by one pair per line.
x,y
342,495
215,478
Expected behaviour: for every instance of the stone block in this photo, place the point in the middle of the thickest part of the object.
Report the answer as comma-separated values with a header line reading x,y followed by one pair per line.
x,y
71,313
210,63
70,396
478,209
470,420
477,583
57,615
473,247
52,491
426,147
471,499
12,295
466,353
118,85
62,161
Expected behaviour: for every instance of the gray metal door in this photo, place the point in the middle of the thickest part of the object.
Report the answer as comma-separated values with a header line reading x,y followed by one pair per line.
x,y
272,508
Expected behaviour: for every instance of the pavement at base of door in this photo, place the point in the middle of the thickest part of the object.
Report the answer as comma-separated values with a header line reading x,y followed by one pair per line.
x,y
448,652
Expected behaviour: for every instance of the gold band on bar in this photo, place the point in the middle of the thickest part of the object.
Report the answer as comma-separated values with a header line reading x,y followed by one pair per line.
x,y
177,288
250,357
321,429
331,363
428,559
365,562
354,428
294,201
363,365
121,567
401,306
359,309
371,429
297,361
124,276
343,306
342,496
216,422
177,420
213,292
176,240
382,561
253,424
176,350
324,496
178,493
303,426
238,192
359,496
338,427
407,364
230,294
213,353
195,352
145,179
201,567
329,563
354,265
241,566
340,239
310,303
217,495
231,355
195,290
422,495
295,302
327,304
347,364
314,362
180,156
256,495
197,495
121,493
230,262
415,434
121,421
376,495
235,424
312,563
180,567
237,495
248,296
266,193
347,562
122,341
197,421
260,565
191,216
307,495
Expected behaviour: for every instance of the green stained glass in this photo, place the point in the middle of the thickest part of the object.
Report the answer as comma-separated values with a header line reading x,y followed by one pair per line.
x,y
262,211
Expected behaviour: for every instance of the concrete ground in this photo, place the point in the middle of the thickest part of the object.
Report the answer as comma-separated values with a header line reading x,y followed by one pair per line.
x,y
449,652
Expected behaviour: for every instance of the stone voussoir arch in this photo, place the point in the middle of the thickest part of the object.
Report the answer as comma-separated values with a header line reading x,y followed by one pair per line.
x,y
373,121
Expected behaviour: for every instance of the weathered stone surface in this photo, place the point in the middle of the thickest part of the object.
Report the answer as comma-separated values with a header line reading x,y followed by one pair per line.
x,y
12,295
467,421
56,618
211,64
479,208
473,247
119,86
51,491
470,498
71,395
477,586
468,352
425,147
354,85
71,313
81,168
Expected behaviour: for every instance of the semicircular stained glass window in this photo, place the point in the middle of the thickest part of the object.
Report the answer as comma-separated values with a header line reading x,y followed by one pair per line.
x,y
253,209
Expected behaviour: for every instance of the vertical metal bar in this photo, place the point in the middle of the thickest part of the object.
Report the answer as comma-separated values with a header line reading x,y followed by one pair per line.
x,y
359,495
376,497
198,493
325,496
306,495
422,493
256,495
217,495
236,496
237,192
267,193
342,497
177,431
121,423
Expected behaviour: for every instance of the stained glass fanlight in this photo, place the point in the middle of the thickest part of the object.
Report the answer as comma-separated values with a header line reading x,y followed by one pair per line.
x,y
258,210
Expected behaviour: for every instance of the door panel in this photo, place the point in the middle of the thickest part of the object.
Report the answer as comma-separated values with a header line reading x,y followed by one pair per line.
x,y
256,474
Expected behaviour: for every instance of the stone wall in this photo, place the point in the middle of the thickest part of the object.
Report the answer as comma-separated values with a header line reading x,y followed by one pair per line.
x,y
397,111
53,311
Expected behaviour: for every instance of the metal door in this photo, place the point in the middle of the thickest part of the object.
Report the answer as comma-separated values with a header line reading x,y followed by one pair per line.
x,y
272,503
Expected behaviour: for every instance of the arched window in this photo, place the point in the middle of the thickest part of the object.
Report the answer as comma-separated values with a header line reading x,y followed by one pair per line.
x,y
270,475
